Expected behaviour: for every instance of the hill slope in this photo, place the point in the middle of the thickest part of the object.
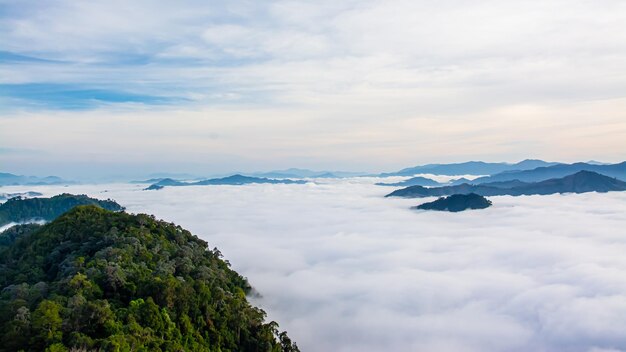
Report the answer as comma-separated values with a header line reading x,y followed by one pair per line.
x,y
100,280
580,182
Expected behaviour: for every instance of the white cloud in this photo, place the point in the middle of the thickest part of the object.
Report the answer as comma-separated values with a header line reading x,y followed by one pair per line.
x,y
393,82
344,269
4,227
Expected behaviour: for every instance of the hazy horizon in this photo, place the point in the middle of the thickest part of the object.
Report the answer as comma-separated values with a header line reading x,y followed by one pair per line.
x,y
91,174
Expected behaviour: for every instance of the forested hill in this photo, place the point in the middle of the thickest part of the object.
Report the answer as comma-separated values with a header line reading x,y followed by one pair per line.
x,y
20,209
99,280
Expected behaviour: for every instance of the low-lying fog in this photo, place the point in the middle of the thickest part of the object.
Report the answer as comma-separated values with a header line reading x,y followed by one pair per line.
x,y
343,269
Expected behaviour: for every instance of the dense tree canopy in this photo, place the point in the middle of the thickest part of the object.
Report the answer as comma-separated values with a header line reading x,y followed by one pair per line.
x,y
100,280
20,209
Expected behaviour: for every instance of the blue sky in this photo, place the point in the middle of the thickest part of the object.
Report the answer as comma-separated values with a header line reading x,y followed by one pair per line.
x,y
364,85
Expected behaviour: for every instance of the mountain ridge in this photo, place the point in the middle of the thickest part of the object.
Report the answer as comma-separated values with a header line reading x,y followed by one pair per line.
x,y
580,182
413,181
469,168
561,170
304,173
8,179
235,180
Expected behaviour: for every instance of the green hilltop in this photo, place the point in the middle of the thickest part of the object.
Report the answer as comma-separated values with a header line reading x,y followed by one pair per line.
x,y
95,279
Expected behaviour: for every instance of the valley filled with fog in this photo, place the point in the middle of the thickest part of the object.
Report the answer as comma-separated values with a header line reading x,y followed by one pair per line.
x,y
342,268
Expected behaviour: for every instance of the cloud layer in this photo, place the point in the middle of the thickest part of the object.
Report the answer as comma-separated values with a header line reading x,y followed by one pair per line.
x,y
367,85
343,269
303,52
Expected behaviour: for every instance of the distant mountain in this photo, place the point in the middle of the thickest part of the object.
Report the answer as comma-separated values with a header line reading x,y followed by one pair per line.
x,y
230,180
456,203
180,176
419,191
544,173
276,174
25,209
459,181
415,181
153,187
469,168
7,179
152,180
169,182
328,175
30,194
580,182
242,180
305,173
505,184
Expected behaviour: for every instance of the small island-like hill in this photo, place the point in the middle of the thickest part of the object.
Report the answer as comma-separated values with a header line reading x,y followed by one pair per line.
x,y
456,203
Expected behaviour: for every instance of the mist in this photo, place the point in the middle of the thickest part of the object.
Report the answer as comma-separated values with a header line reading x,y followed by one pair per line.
x,y
343,269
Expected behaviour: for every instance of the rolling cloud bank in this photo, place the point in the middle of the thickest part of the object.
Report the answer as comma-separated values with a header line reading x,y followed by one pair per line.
x,y
344,269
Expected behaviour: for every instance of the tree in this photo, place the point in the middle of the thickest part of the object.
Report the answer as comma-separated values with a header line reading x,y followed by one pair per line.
x,y
47,324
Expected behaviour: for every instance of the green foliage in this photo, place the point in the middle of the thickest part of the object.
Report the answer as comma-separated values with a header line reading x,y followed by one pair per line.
x,y
20,209
11,234
46,323
100,280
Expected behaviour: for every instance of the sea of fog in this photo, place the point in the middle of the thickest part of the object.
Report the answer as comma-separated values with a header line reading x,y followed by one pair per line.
x,y
343,269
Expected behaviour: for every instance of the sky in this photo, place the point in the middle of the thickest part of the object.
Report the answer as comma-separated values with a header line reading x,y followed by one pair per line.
x,y
342,268
134,87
